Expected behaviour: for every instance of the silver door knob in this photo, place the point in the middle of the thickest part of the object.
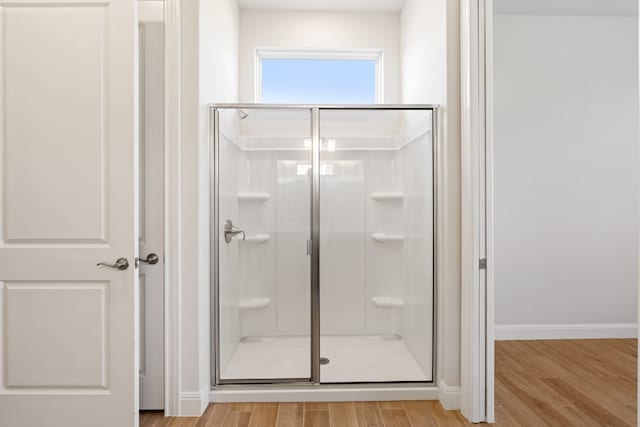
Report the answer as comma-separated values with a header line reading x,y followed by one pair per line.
x,y
150,259
120,264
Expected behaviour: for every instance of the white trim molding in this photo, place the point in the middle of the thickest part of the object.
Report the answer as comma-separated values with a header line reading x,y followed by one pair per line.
x,y
194,403
449,396
172,231
566,331
476,364
151,11
312,53
489,211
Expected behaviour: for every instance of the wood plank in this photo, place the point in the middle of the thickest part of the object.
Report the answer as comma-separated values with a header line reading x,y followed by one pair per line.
x,y
238,415
505,419
578,417
419,413
532,381
183,422
264,415
392,404
597,387
586,404
515,407
242,407
316,419
290,415
214,415
395,418
368,414
537,404
316,406
342,414
237,419
612,353
443,417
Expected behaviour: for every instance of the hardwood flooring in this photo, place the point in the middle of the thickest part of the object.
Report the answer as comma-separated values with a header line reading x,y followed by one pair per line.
x,y
566,383
538,383
339,414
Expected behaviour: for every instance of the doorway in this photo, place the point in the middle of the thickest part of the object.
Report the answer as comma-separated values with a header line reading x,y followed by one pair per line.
x,y
323,244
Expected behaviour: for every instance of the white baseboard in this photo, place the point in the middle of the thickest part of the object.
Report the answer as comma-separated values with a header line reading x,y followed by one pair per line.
x,y
194,403
566,331
449,396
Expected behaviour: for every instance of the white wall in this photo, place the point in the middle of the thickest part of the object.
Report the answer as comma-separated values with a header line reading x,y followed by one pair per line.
x,y
320,30
566,120
209,74
430,74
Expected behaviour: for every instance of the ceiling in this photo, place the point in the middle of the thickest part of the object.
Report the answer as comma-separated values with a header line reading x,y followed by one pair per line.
x,y
340,5
567,7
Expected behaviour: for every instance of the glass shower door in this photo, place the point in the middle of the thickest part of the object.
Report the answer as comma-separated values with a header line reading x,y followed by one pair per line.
x,y
262,193
376,245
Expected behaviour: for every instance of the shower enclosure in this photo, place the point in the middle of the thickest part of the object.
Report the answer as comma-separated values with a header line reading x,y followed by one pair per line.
x,y
323,244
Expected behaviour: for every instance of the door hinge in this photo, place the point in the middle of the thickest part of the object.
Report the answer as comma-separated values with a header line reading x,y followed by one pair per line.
x,y
483,264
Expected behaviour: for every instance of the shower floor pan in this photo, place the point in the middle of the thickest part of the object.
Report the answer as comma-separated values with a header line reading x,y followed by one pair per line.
x,y
351,359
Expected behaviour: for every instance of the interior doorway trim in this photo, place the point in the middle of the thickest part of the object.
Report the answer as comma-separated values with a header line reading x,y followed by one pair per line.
x,y
172,227
476,372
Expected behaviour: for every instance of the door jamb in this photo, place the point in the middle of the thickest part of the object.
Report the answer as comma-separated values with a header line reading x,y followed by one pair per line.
x,y
489,210
477,370
473,380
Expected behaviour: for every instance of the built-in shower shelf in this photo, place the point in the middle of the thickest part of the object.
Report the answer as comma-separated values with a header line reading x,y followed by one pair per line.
x,y
259,197
388,302
387,238
254,303
257,238
387,196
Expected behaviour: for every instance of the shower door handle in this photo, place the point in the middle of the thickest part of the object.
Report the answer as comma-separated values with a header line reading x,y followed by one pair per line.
x,y
309,247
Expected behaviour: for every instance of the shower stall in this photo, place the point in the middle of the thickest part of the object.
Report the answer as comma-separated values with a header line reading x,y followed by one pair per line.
x,y
323,244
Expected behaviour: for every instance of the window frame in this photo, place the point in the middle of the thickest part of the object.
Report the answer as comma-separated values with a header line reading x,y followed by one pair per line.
x,y
376,55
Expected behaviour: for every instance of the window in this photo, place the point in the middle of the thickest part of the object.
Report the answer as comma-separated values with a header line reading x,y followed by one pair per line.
x,y
313,77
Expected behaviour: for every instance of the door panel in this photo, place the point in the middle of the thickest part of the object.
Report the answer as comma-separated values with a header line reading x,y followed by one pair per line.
x,y
68,99
263,188
82,360
69,199
376,245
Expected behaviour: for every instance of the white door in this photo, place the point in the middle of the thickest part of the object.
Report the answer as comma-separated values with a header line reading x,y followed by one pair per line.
x,y
151,215
68,201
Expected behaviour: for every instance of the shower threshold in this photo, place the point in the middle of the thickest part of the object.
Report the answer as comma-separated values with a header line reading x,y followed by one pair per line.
x,y
327,393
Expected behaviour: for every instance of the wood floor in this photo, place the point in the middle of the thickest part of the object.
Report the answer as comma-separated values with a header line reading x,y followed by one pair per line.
x,y
342,414
538,383
566,383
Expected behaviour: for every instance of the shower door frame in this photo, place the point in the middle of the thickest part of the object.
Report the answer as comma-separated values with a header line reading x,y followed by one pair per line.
x,y
315,331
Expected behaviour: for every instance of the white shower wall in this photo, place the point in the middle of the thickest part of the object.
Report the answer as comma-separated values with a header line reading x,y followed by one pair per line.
x,y
416,159
381,185
353,268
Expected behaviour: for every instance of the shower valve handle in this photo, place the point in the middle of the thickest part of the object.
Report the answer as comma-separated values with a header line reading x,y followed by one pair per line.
x,y
230,231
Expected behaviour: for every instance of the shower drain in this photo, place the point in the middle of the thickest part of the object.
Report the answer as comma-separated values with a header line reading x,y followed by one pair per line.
x,y
324,360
